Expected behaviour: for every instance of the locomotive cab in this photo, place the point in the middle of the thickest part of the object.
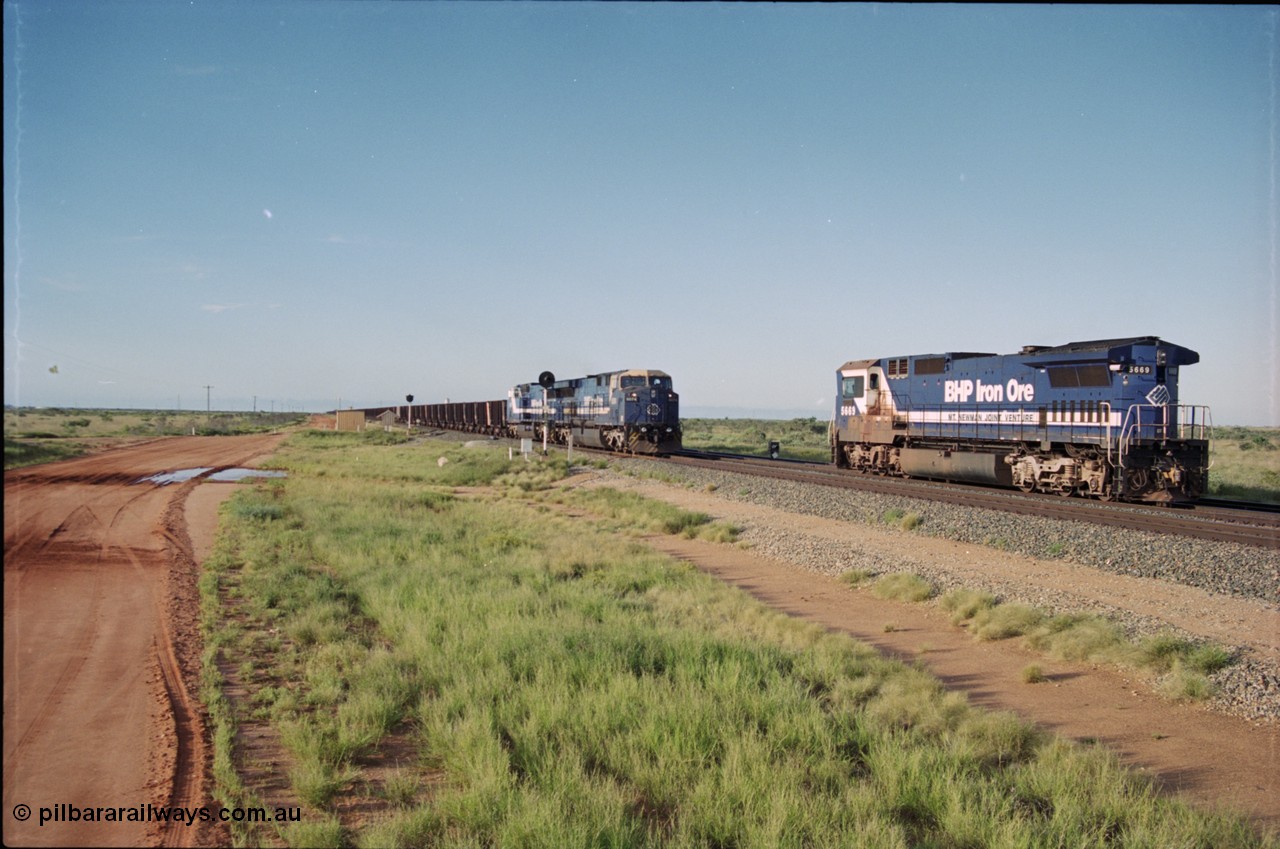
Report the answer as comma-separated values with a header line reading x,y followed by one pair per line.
x,y
867,425
649,412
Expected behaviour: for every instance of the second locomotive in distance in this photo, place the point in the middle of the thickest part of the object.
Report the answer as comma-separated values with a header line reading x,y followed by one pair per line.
x,y
635,411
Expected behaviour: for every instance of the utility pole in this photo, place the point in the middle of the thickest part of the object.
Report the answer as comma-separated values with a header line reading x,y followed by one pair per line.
x,y
208,404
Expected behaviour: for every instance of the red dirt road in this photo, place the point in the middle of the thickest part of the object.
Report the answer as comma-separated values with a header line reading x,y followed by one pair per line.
x,y
101,651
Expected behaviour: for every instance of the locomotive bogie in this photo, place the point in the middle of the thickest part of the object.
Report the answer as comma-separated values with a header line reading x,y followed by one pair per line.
x,y
1078,419
1058,472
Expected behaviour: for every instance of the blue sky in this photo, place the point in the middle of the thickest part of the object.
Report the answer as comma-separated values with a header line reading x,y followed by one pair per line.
x,y
323,202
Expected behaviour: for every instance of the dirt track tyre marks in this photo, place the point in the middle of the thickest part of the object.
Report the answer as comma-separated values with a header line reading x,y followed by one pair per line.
x,y
93,702
18,536
69,525
187,789
82,644
43,717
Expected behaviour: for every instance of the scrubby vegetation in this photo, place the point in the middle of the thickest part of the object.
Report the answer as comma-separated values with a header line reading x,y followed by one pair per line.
x,y
544,679
1246,463
1180,666
41,435
798,439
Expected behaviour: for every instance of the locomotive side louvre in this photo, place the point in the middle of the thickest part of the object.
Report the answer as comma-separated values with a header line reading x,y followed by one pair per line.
x,y
1098,418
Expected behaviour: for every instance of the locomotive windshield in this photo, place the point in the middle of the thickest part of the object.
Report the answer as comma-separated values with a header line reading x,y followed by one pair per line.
x,y
630,381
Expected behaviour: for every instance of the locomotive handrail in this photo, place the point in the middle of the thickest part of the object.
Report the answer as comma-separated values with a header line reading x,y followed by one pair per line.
x,y
1105,410
1167,421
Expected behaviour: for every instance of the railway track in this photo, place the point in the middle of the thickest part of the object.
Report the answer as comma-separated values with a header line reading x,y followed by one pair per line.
x,y
1235,522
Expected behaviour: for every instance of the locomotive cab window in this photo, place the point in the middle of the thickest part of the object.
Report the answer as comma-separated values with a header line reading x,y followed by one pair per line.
x,y
852,387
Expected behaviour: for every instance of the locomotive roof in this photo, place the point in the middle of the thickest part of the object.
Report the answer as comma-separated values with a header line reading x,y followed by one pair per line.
x,y
1181,355
631,372
1178,354
1092,345
642,372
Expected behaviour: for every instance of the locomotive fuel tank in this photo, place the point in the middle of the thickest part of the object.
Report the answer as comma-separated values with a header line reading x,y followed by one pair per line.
x,y
966,466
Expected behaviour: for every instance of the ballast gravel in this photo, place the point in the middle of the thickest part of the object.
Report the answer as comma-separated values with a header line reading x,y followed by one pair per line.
x,y
1249,687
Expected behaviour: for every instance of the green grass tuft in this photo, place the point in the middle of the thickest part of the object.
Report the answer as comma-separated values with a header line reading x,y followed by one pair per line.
x,y
1004,621
1033,674
902,586
964,604
856,577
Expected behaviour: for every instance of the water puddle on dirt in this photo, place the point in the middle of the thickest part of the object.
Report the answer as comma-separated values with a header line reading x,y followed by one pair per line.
x,y
164,478
224,476
234,475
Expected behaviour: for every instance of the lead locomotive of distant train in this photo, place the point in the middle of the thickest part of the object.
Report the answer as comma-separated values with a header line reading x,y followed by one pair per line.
x,y
634,411
1097,418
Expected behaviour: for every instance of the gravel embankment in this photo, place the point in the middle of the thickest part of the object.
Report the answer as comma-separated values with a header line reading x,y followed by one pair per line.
x,y
1250,687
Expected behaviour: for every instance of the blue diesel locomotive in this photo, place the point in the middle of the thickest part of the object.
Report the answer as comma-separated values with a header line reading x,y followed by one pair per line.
x,y
635,411
1099,418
